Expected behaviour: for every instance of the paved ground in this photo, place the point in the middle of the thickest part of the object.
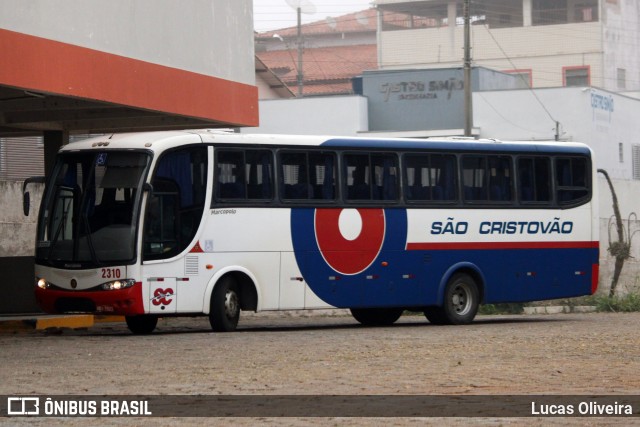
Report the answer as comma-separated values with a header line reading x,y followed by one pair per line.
x,y
562,354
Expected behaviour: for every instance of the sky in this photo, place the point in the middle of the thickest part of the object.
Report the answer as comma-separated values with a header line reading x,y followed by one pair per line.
x,y
276,14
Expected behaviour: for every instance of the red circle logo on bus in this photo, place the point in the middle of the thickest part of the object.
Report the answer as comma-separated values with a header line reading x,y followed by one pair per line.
x,y
349,239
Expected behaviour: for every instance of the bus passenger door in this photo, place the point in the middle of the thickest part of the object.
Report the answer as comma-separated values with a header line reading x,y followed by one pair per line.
x,y
292,284
162,295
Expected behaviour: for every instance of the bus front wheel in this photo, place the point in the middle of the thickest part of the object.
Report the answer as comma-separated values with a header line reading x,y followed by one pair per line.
x,y
461,301
224,312
141,325
376,316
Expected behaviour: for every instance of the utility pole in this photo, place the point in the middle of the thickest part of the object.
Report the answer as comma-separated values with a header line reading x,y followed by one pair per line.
x,y
300,75
468,103
301,6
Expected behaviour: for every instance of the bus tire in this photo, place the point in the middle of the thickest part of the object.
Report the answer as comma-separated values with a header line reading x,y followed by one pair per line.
x,y
461,300
224,312
142,324
435,315
376,316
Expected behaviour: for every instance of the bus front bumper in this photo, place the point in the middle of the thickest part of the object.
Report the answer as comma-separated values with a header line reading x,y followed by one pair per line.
x,y
125,302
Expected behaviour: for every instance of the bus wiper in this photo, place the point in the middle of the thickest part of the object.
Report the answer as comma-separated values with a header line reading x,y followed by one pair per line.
x,y
84,221
56,235
92,249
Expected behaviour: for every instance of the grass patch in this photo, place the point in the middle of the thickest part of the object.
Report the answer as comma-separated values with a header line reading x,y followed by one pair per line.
x,y
507,308
625,304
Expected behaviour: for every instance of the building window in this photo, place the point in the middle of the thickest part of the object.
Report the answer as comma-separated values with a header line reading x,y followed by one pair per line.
x,y
622,78
576,76
549,12
635,158
586,11
621,152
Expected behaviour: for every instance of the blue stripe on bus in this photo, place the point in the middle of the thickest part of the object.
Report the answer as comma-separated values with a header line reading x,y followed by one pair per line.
x,y
452,146
416,277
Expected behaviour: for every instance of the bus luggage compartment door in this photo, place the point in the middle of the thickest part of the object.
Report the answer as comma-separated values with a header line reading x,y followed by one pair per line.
x,y
292,285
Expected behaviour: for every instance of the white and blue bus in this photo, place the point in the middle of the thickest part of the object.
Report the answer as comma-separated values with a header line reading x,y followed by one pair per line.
x,y
189,223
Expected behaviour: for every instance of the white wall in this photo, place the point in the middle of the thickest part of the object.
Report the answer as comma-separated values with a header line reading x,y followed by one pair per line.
x,y
621,41
335,115
214,38
17,232
544,49
596,117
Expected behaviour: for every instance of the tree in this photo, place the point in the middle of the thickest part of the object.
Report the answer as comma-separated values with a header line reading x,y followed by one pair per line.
x,y
620,249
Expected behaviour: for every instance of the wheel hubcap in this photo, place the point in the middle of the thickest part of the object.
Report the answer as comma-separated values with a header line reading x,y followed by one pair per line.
x,y
461,299
231,304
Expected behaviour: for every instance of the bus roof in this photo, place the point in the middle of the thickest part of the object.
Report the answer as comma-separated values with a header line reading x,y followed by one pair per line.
x,y
158,141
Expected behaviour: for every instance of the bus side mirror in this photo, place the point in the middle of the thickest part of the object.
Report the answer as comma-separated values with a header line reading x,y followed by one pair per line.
x,y
26,198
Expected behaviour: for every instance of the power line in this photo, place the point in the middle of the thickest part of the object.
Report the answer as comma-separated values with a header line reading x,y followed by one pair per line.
x,y
544,107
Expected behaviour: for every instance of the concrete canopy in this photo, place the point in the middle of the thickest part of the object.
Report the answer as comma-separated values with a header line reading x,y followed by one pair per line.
x,y
26,112
114,65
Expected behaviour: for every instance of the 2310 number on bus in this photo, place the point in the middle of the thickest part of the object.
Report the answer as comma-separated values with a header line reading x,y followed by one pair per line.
x,y
111,273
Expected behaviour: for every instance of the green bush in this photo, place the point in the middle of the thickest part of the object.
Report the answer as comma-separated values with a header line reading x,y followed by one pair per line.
x,y
627,303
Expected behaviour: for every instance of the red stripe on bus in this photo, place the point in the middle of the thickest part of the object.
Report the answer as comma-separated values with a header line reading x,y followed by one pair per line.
x,y
501,245
595,273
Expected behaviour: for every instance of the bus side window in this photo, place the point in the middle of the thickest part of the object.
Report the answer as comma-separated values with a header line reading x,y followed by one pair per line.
x,y
474,178
500,178
371,177
358,177
322,175
571,179
259,174
385,169
294,178
443,177
487,178
229,174
430,177
244,174
534,178
307,175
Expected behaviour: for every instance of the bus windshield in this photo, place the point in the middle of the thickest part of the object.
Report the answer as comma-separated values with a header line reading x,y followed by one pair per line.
x,y
90,210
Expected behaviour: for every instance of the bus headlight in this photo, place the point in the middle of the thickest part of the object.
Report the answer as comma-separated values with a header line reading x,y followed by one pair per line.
x,y
118,284
42,283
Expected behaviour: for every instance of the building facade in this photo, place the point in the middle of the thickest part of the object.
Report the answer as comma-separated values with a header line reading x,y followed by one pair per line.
x,y
549,43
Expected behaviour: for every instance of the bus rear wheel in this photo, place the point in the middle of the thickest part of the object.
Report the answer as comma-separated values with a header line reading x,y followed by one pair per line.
x,y
461,301
141,325
376,316
224,312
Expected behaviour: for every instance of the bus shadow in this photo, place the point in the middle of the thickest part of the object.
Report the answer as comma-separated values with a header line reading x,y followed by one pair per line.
x,y
407,324
346,323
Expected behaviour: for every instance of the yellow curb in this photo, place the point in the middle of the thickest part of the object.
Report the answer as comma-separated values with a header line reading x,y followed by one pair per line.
x,y
73,322
105,318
